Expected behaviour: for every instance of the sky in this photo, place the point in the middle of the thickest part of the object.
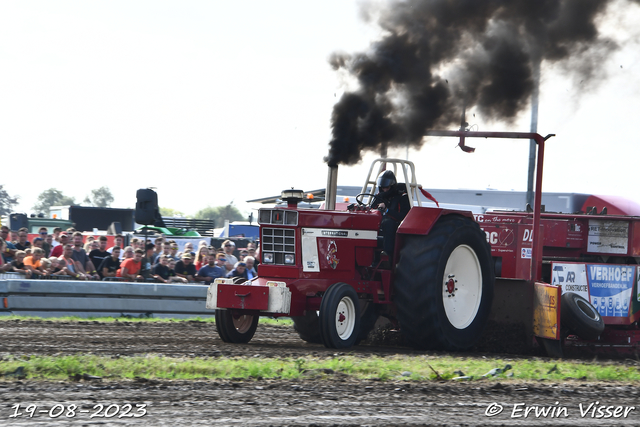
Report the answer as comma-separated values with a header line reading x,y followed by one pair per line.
x,y
212,102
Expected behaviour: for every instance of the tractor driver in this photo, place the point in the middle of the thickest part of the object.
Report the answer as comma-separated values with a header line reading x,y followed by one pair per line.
x,y
394,204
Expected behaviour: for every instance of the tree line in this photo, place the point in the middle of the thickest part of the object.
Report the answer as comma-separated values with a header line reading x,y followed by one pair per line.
x,y
102,197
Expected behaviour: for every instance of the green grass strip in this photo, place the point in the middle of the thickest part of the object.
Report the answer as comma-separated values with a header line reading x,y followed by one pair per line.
x,y
418,368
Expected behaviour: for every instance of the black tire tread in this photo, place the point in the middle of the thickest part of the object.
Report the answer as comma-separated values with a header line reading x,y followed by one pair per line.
x,y
578,322
308,327
368,319
418,292
221,331
330,301
228,332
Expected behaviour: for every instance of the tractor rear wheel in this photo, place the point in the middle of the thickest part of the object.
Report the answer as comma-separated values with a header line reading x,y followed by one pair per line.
x,y
235,328
444,285
339,316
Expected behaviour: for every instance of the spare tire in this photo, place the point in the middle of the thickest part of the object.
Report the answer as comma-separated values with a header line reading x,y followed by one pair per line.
x,y
580,317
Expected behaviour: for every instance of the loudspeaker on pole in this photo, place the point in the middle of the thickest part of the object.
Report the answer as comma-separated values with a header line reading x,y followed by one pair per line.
x,y
147,209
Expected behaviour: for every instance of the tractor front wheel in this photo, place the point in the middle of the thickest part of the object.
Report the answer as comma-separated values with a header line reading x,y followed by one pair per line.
x,y
235,328
339,316
444,285
308,327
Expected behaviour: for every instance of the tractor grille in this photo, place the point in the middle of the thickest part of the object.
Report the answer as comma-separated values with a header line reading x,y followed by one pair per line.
x,y
278,246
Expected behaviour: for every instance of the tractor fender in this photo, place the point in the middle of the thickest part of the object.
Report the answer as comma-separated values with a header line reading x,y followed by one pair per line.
x,y
420,220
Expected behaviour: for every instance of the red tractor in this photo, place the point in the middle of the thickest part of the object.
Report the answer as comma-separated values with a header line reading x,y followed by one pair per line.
x,y
450,273
324,269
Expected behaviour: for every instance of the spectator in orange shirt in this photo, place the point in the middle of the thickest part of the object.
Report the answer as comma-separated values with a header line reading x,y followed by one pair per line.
x,y
130,267
33,262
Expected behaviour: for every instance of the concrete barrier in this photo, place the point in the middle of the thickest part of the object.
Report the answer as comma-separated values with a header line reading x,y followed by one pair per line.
x,y
56,298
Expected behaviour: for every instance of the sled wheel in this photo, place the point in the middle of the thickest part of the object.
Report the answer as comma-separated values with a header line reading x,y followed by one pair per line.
x,y
308,327
368,319
235,328
339,316
580,317
444,285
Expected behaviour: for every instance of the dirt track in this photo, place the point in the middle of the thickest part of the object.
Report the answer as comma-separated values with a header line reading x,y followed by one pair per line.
x,y
338,400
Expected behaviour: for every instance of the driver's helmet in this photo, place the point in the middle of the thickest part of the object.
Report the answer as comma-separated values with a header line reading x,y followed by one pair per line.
x,y
387,179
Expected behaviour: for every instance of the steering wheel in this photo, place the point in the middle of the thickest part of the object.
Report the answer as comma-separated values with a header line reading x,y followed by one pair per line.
x,y
361,196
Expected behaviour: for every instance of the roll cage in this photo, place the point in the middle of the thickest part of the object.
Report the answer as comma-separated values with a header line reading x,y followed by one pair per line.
x,y
407,171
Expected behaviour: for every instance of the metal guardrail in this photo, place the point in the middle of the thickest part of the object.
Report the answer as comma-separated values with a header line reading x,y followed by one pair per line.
x,y
57,298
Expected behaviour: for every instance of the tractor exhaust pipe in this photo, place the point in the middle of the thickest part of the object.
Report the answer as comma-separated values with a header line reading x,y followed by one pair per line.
x,y
332,188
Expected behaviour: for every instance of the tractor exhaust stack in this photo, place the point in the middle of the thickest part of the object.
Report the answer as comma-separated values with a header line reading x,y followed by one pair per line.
x,y
332,188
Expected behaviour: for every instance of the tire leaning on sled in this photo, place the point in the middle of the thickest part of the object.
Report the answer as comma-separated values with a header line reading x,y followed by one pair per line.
x,y
579,317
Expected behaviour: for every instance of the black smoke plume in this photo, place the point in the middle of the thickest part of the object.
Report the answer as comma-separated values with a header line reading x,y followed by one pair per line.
x,y
437,54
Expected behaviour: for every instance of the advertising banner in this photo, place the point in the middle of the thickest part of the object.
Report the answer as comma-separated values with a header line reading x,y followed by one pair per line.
x,y
610,287
610,237
571,278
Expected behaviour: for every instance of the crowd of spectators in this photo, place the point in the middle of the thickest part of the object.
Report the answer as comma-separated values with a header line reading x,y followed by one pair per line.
x,y
69,253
